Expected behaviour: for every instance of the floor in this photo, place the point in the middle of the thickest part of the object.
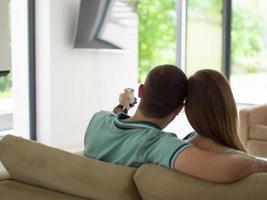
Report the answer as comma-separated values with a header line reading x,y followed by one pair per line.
x,y
6,115
6,121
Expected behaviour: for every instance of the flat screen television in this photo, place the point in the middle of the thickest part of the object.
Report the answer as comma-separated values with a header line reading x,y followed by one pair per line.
x,y
5,50
105,24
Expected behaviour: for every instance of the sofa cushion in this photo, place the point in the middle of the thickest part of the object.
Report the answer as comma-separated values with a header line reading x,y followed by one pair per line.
x,y
157,183
258,132
257,114
13,190
40,165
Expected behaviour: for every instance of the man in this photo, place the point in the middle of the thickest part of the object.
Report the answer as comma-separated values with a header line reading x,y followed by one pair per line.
x,y
133,141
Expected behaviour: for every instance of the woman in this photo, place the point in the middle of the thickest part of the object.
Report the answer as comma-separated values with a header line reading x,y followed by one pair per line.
x,y
211,111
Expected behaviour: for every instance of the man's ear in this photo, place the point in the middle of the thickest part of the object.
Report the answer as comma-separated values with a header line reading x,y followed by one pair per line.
x,y
141,90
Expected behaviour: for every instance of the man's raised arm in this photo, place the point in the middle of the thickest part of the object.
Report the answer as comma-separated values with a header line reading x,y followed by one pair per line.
x,y
217,167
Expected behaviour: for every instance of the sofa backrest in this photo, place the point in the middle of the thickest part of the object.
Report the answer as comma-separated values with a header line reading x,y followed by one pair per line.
x,y
4,176
157,183
14,190
37,164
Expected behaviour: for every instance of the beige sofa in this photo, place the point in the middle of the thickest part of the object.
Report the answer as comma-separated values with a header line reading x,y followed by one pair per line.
x,y
39,172
253,129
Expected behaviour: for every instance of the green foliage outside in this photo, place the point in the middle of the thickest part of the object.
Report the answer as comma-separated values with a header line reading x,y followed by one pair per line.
x,y
157,34
247,37
205,8
5,86
246,32
204,35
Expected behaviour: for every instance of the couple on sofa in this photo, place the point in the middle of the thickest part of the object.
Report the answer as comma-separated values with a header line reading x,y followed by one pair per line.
x,y
214,152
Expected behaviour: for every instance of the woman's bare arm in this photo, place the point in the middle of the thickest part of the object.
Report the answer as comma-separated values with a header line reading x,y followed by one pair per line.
x,y
217,167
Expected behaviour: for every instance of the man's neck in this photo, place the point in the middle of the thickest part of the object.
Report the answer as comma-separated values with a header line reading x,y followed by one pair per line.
x,y
138,116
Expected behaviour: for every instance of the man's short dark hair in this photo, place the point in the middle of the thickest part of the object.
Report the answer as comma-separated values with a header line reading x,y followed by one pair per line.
x,y
165,89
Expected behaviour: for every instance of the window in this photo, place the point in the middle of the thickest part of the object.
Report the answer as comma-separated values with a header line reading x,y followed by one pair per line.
x,y
14,88
6,101
240,53
157,34
204,35
249,51
248,42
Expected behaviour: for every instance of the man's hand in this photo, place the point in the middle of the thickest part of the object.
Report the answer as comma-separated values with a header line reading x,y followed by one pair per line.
x,y
217,167
125,101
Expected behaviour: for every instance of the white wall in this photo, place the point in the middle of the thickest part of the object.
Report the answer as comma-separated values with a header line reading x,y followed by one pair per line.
x,y
73,84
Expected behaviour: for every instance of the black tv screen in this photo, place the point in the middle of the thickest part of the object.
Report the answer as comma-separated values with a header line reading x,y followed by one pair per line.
x,y
105,24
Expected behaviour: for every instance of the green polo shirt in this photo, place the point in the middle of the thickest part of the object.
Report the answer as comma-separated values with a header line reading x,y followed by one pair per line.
x,y
112,139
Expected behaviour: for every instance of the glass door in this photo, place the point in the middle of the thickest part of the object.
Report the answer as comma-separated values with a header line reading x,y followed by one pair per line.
x,y
157,34
6,99
249,51
204,35
14,68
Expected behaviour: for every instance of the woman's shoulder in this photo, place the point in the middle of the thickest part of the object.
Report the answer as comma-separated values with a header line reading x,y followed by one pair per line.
x,y
234,151
209,145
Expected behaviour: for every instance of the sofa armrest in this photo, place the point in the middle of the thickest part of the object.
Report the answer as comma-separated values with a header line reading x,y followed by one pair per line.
x,y
258,114
250,116
4,176
243,126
